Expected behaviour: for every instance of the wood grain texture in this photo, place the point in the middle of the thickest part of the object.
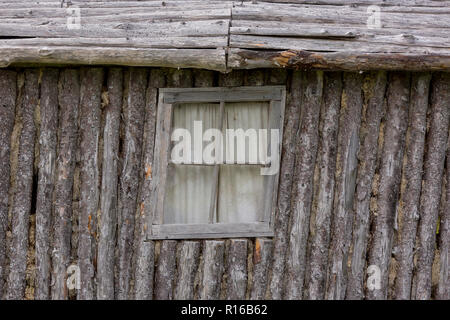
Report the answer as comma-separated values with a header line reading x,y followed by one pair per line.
x,y
90,116
165,271
69,97
432,180
326,162
136,85
107,224
8,92
369,136
236,269
306,151
262,257
213,267
398,98
46,179
188,262
346,164
415,145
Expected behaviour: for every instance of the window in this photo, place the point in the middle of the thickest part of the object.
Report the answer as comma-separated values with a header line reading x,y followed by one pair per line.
x,y
217,155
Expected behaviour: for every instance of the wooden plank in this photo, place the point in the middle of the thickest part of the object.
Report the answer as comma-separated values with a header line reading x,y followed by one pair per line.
x,y
8,92
370,128
390,174
432,180
187,267
326,162
136,84
213,266
46,180
165,271
69,97
262,258
345,61
306,150
143,279
90,116
108,196
347,165
281,224
236,269
409,204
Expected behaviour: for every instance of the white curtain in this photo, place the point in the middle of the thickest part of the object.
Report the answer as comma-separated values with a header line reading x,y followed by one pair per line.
x,y
241,188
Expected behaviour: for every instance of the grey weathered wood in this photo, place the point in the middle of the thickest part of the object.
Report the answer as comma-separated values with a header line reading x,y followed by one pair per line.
x,y
443,291
144,272
213,267
432,180
109,197
369,136
165,271
415,142
326,162
90,116
347,165
136,84
8,92
390,175
306,150
188,262
68,97
281,223
46,180
236,269
22,194
262,257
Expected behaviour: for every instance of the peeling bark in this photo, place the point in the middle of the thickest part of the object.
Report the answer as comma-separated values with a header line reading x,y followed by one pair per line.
x,y
306,151
366,170
8,92
390,175
415,141
46,180
432,182
292,118
22,194
90,99
326,163
262,257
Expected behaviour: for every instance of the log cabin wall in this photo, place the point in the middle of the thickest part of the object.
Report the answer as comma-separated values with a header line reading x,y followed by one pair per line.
x,y
363,182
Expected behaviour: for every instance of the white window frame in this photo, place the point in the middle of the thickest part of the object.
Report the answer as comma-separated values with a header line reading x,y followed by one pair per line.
x,y
168,97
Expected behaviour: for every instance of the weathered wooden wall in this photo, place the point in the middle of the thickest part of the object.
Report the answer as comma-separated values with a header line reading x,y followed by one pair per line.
x,y
363,183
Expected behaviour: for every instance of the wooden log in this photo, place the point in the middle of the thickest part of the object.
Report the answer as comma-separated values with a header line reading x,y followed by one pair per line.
x,y
143,280
390,175
443,291
165,271
136,84
8,92
347,165
213,257
415,142
24,184
306,150
108,197
344,61
187,268
236,269
432,180
90,117
326,163
293,106
46,179
68,97
262,257
366,170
